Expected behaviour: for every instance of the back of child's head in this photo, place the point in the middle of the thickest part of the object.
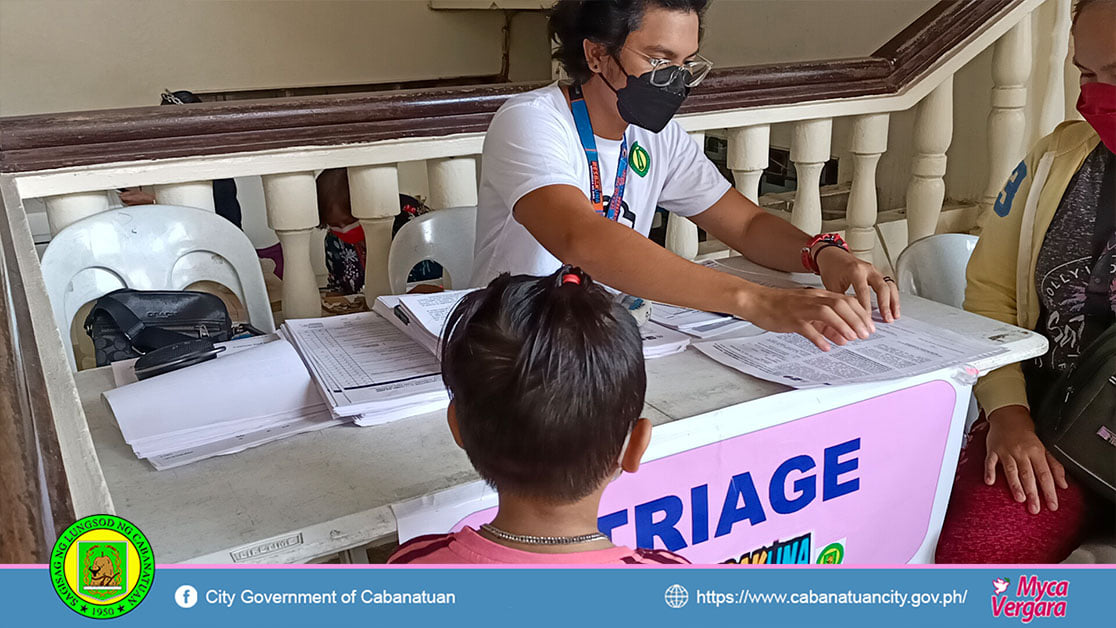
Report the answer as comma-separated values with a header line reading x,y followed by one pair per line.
x,y
546,376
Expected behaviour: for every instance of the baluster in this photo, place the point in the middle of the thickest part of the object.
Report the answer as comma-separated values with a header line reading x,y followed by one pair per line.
x,y
1007,126
197,194
1053,109
66,209
374,191
809,152
681,232
933,132
869,141
453,182
318,257
748,149
292,202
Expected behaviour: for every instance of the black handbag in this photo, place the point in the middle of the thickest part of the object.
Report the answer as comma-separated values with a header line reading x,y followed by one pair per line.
x,y
127,324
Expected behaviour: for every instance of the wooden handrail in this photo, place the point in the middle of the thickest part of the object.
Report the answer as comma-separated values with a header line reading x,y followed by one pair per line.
x,y
40,142
35,492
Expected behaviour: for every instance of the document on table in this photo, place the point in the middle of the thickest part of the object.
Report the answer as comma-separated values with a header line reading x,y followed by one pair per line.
x,y
420,316
424,316
432,309
696,322
258,393
903,348
659,341
364,365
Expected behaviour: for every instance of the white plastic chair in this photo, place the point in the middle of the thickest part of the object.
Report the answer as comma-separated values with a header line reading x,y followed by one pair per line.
x,y
150,247
445,236
934,267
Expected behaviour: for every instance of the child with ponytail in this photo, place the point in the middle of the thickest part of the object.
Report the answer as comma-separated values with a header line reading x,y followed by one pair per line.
x,y
546,383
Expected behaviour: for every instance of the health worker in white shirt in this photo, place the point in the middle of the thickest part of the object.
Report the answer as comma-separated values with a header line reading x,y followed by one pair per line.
x,y
572,174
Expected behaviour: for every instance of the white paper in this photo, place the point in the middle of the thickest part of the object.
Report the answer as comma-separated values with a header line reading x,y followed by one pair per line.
x,y
316,421
124,372
363,364
659,341
903,348
267,380
432,309
696,322
260,391
386,306
403,412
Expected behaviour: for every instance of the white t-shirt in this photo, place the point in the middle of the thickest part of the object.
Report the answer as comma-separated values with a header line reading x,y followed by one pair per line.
x,y
532,143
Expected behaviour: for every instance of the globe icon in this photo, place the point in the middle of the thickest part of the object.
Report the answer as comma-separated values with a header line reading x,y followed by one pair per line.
x,y
676,596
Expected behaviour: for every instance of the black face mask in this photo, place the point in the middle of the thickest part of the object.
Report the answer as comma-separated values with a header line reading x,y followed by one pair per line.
x,y
646,105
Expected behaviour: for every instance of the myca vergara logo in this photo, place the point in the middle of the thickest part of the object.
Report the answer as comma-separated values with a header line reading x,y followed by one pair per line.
x,y
102,566
1033,598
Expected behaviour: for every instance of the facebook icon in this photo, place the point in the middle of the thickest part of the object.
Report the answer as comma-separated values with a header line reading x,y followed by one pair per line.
x,y
186,596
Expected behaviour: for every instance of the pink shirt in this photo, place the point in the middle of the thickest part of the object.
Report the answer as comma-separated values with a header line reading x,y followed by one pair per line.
x,y
469,548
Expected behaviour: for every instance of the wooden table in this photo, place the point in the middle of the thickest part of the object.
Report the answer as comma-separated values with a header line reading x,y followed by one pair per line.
x,y
320,493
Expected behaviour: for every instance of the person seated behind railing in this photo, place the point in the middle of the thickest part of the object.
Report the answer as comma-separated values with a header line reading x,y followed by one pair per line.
x,y
345,244
1027,509
547,383
224,190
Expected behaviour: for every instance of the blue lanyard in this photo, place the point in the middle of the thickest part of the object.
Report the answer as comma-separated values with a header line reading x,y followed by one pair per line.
x,y
589,143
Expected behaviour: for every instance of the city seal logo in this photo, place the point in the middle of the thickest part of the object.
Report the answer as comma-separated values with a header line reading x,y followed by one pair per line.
x,y
640,160
102,566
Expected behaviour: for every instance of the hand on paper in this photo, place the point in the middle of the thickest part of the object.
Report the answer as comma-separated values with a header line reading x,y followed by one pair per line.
x,y
841,269
1028,467
818,315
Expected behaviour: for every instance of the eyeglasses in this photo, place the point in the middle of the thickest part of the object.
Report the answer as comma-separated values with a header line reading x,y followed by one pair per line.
x,y
664,72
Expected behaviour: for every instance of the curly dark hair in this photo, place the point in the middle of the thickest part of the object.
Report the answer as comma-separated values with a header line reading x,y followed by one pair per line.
x,y
607,22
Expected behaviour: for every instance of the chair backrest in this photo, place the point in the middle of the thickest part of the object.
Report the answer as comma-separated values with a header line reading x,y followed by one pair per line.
x,y
934,267
150,247
445,236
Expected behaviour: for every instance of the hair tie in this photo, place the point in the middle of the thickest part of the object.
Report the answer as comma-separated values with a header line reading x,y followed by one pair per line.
x,y
573,278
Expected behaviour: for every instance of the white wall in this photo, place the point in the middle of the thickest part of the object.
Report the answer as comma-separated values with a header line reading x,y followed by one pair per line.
x,y
69,55
743,32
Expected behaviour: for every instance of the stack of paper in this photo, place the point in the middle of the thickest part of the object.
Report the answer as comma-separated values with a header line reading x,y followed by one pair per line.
x,y
423,317
658,341
696,322
367,369
904,348
221,406
420,316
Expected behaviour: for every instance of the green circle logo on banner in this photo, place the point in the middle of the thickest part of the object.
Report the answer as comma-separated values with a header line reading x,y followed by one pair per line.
x,y
833,554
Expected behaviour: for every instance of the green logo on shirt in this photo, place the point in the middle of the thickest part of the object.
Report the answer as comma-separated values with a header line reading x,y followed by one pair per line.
x,y
640,160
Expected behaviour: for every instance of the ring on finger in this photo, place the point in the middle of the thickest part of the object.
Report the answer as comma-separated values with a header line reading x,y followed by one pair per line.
x,y
888,279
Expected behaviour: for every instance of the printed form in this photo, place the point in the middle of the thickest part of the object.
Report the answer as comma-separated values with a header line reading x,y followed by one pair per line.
x,y
364,364
903,348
